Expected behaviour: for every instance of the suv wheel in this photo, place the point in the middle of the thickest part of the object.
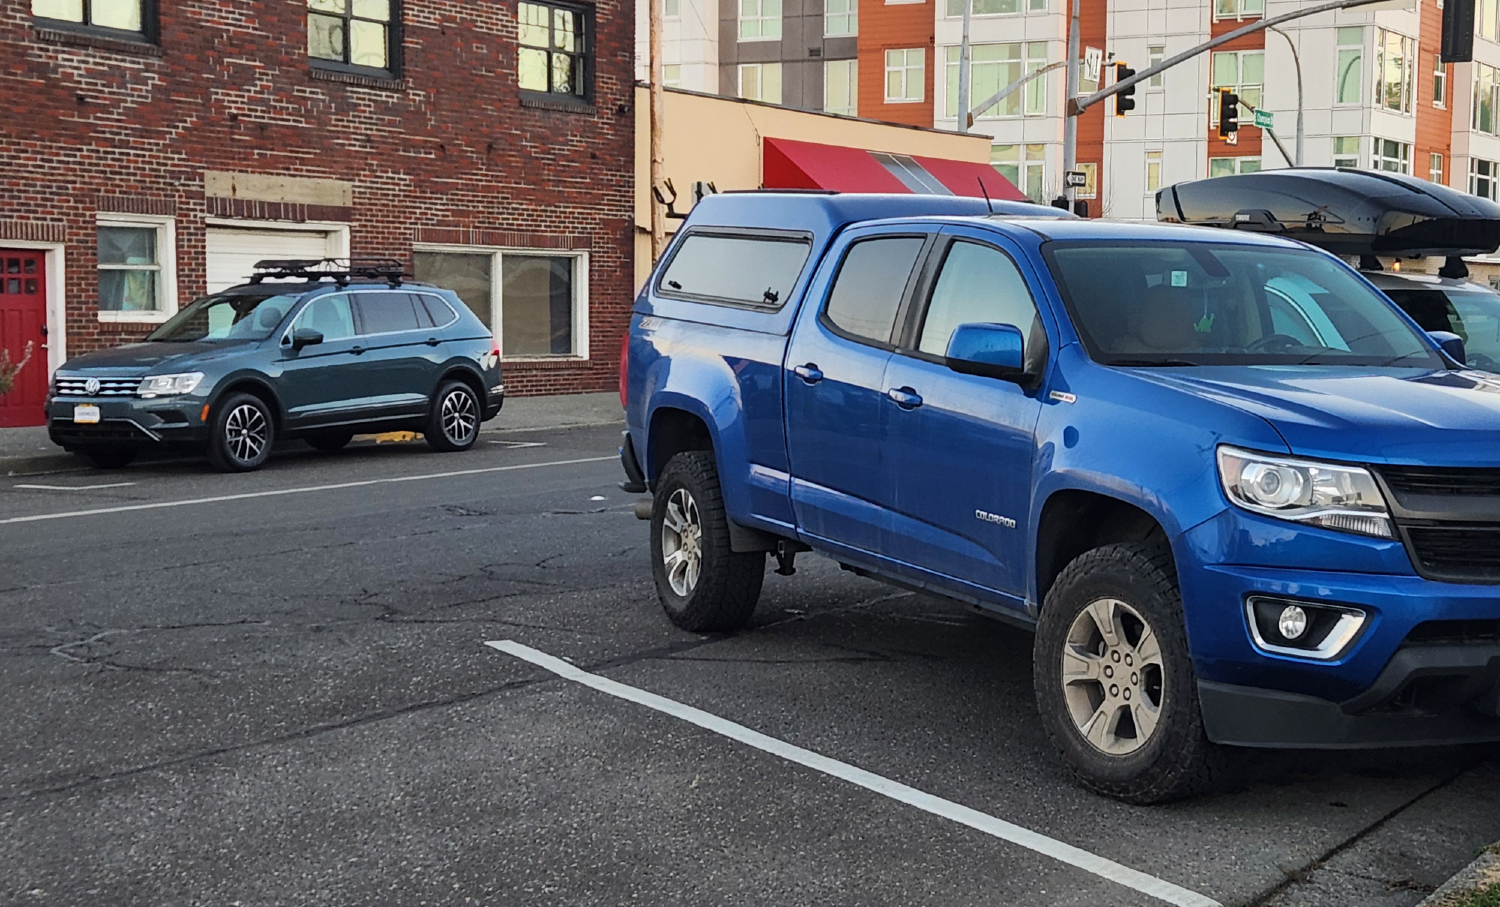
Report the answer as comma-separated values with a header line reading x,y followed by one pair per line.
x,y
453,423
1114,681
329,441
241,434
110,457
703,585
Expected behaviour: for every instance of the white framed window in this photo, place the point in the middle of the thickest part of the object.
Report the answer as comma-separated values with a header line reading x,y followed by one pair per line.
x,y
535,301
671,75
1348,78
1153,172
1230,166
1484,19
1241,71
760,20
1239,9
1435,168
994,66
761,82
1090,187
1439,81
1155,54
1025,166
671,9
841,87
1036,6
1346,151
840,18
1390,156
955,8
137,267
1486,101
1483,177
1395,70
904,74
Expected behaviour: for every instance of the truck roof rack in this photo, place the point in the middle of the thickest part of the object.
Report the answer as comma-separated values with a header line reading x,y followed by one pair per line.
x,y
339,270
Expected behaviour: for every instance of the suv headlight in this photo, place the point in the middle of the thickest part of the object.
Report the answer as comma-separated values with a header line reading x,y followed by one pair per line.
x,y
166,385
1330,495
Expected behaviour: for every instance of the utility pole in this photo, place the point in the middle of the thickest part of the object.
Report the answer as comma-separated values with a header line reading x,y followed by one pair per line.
x,y
1296,61
1070,116
963,71
658,156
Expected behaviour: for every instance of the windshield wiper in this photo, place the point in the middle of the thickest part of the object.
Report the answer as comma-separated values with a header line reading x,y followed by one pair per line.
x,y
1168,363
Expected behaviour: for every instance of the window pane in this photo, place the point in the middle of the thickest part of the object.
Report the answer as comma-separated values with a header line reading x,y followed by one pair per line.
x,y
734,268
1249,165
1348,36
977,284
66,10
536,305
127,291
1252,68
468,275
127,245
532,66
379,10
564,30
532,26
1006,159
1347,90
329,316
325,37
367,44
326,6
1221,166
1226,70
750,82
385,313
870,285
121,14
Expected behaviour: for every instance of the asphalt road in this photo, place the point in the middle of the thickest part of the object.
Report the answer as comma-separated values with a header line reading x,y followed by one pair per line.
x,y
274,689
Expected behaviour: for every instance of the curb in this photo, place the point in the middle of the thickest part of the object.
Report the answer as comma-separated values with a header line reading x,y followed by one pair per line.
x,y
40,463
1480,874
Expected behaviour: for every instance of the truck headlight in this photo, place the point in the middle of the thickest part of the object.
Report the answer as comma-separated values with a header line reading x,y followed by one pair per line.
x,y
1330,495
167,385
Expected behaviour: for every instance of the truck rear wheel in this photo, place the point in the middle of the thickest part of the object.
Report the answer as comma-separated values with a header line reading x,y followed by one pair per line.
x,y
704,586
1114,682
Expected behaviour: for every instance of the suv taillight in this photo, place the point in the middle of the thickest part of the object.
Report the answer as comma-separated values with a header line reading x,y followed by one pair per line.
x,y
624,366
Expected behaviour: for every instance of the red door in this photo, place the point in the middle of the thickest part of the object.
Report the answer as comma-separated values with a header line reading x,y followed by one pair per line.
x,y
23,317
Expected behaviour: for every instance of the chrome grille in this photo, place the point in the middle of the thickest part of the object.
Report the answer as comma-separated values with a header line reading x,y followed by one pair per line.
x,y
77,386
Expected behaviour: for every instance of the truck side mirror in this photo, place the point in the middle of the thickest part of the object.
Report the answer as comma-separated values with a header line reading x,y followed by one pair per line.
x,y
990,350
1452,344
306,337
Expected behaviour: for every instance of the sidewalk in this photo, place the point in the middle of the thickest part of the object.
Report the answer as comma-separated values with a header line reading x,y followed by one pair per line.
x,y
1477,886
28,450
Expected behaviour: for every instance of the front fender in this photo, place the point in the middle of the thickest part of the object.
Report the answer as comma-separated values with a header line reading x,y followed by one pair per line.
x,y
238,380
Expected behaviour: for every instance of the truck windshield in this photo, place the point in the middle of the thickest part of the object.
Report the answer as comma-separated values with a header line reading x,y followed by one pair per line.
x,y
1472,312
1193,303
227,316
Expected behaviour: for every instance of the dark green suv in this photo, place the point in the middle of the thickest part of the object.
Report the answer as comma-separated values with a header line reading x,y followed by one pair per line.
x,y
328,354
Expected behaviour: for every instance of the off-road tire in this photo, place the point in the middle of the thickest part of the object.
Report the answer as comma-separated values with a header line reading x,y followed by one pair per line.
x,y
728,584
225,452
1177,760
442,437
329,441
110,457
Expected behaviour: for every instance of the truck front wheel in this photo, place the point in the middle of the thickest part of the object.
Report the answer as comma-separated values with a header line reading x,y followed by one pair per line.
x,y
1114,681
703,584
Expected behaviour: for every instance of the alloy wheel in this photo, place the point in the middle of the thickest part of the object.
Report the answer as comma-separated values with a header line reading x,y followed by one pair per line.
x,y
1112,676
460,417
246,432
682,542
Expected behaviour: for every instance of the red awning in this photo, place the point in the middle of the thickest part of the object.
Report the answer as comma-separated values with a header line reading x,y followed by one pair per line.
x,y
790,164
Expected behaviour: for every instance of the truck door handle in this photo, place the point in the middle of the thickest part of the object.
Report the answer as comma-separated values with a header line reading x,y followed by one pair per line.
x,y
904,397
809,373
356,350
432,341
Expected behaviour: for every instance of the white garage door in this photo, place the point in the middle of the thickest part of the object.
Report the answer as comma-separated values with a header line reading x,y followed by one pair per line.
x,y
232,253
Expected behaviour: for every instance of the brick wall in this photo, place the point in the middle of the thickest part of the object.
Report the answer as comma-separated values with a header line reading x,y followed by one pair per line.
x,y
890,26
1434,123
100,125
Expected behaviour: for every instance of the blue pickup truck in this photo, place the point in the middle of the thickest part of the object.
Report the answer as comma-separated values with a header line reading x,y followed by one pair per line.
x,y
1239,496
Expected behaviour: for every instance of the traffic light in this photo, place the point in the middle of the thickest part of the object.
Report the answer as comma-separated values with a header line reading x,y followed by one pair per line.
x,y
1458,32
1124,100
1229,115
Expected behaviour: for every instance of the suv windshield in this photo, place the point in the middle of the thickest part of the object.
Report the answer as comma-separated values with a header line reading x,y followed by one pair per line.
x,y
227,316
1472,312
1193,303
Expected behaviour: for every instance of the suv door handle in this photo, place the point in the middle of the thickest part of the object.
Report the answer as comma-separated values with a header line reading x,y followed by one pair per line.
x,y
809,373
904,397
432,341
356,350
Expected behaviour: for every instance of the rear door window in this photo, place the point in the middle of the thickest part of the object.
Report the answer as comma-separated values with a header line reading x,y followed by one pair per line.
x,y
385,312
870,286
758,270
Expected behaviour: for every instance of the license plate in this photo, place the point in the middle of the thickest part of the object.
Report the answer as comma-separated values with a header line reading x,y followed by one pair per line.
x,y
86,414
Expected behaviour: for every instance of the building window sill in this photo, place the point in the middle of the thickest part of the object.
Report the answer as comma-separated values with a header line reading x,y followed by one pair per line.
x,y
81,36
111,317
557,360
384,82
543,100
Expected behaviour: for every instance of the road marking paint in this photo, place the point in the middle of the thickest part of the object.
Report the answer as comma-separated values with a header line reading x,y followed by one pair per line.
x,y
39,517
947,809
75,487
517,445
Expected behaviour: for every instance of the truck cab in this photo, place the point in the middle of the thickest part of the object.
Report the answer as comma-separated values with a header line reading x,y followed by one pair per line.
x,y
1223,532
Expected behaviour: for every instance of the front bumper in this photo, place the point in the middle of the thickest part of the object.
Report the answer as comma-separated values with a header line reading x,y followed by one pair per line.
x,y
128,422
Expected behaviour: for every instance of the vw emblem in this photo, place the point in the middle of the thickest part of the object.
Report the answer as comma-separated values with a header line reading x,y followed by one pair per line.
x,y
91,386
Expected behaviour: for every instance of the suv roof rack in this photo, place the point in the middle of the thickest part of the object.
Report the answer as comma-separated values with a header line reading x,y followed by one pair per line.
x,y
340,270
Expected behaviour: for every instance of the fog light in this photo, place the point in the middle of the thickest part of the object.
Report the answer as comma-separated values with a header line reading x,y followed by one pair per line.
x,y
1292,623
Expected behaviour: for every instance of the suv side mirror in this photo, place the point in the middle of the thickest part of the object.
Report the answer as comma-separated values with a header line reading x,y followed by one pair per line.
x,y
991,350
1452,344
306,337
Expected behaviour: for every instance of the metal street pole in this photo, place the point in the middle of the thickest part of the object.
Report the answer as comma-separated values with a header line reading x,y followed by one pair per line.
x,y
1297,60
963,71
658,156
1011,89
1070,118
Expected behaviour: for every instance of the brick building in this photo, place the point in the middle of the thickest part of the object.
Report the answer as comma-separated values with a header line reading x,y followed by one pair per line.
x,y
151,152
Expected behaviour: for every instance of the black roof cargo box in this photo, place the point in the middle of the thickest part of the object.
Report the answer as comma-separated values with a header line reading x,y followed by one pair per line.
x,y
1347,212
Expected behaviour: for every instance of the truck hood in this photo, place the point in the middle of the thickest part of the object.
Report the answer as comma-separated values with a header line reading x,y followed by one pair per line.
x,y
141,358
1449,418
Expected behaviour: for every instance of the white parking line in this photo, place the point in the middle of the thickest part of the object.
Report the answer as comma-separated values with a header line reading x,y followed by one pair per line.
x,y
39,517
75,487
999,828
